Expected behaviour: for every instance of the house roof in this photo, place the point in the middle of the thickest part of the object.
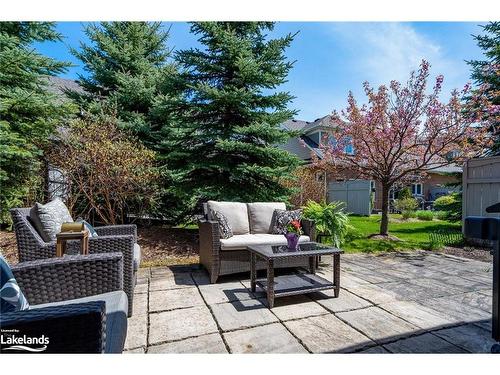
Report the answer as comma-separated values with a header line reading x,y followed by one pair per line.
x,y
59,86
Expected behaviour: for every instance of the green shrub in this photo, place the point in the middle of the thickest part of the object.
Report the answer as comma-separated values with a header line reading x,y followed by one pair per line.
x,y
443,203
405,193
440,215
330,219
406,206
424,215
409,214
451,204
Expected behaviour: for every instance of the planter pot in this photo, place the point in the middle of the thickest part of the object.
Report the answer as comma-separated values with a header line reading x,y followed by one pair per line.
x,y
292,240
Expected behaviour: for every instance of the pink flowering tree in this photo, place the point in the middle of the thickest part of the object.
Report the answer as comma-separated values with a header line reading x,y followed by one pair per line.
x,y
402,131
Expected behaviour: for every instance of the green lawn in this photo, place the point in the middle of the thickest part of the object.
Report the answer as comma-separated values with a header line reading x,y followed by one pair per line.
x,y
413,234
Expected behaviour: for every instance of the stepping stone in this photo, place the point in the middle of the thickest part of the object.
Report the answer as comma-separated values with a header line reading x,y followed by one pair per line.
x,y
225,292
180,324
174,299
273,338
137,332
207,344
419,315
346,301
426,343
140,306
378,324
242,314
295,307
171,281
469,337
327,334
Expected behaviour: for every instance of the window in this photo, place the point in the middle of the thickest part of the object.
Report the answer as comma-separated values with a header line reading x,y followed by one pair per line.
x,y
416,189
348,148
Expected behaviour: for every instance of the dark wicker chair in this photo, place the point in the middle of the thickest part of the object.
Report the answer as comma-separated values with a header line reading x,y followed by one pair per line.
x,y
114,238
219,262
70,303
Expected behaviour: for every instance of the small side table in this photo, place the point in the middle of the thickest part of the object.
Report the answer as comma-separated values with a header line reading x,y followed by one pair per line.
x,y
63,237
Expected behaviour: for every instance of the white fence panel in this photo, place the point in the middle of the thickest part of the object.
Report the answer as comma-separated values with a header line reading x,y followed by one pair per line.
x,y
481,186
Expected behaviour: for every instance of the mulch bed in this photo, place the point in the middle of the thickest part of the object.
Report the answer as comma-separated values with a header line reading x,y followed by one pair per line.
x,y
469,252
163,245
160,245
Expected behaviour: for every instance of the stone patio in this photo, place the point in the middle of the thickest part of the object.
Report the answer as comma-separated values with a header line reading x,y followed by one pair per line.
x,y
419,302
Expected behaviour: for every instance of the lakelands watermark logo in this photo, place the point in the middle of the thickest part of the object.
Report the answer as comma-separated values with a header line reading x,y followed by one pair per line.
x,y
11,340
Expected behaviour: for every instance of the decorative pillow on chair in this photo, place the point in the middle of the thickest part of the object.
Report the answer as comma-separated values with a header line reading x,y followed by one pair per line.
x,y
48,218
281,218
11,297
225,230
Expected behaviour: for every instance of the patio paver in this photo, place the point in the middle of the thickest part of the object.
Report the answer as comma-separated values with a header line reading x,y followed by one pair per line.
x,y
345,302
211,344
393,302
162,300
424,343
327,334
272,338
242,314
378,324
296,307
180,324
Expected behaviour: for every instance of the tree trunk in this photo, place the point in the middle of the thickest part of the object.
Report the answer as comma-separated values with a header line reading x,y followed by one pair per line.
x,y
384,224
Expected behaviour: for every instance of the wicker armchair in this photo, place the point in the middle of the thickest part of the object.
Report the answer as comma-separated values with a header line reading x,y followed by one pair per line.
x,y
219,262
69,300
115,238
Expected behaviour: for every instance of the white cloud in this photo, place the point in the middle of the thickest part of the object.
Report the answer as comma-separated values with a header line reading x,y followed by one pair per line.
x,y
387,51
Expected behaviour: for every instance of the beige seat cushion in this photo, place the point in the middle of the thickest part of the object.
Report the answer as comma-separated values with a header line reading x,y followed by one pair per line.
x,y
261,214
236,214
240,242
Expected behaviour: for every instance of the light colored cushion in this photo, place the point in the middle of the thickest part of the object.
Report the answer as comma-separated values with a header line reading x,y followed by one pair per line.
x,y
48,218
261,215
137,256
236,214
240,242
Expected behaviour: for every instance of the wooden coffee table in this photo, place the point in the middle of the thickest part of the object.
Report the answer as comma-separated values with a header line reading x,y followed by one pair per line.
x,y
297,283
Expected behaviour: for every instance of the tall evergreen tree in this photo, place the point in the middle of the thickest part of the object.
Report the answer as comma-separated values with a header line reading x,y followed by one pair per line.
x,y
224,144
486,73
29,112
128,72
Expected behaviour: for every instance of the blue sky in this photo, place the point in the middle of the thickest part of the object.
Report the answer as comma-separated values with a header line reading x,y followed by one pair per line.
x,y
335,57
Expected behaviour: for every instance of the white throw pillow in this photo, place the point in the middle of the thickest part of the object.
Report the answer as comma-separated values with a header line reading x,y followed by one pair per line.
x,y
236,214
48,218
261,215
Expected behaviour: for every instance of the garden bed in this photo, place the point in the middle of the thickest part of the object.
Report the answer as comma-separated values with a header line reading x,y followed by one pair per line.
x,y
160,245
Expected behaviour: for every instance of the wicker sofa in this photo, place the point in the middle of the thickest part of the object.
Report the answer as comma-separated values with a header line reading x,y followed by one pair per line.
x,y
251,224
112,238
77,302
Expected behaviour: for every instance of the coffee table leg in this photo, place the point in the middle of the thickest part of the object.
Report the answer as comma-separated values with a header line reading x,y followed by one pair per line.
x,y
270,283
312,264
336,274
252,271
